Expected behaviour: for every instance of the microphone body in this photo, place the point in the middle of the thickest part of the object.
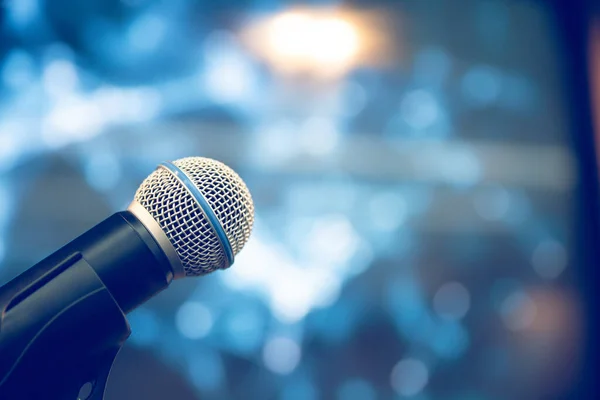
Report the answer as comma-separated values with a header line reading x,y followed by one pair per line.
x,y
63,322
64,315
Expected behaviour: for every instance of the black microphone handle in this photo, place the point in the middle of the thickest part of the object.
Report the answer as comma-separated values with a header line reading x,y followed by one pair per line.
x,y
63,321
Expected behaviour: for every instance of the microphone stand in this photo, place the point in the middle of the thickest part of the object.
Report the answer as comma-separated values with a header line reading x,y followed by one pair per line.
x,y
60,333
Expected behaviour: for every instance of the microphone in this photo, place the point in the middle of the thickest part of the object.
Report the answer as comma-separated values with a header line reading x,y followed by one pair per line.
x,y
63,322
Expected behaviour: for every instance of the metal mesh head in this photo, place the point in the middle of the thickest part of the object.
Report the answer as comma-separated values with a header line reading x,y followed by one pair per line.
x,y
184,222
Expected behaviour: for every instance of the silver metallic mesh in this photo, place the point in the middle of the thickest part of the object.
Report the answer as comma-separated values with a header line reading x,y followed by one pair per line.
x,y
226,194
184,222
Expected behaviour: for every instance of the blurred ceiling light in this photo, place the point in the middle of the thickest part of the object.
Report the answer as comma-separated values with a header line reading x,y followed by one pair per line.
x,y
325,43
318,42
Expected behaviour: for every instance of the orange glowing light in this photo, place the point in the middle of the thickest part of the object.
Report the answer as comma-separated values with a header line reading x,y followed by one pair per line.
x,y
324,43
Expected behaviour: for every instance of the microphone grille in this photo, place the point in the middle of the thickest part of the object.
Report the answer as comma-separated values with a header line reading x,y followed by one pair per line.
x,y
181,196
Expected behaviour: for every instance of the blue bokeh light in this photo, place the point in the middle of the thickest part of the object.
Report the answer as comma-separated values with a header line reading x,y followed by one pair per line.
x,y
282,355
194,320
409,377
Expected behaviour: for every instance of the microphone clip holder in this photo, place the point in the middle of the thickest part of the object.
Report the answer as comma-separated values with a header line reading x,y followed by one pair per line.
x,y
59,334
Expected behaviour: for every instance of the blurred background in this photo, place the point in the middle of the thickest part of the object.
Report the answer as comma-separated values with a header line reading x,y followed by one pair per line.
x,y
420,170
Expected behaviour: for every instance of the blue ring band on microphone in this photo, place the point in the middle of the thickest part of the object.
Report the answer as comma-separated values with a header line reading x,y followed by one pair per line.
x,y
208,211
